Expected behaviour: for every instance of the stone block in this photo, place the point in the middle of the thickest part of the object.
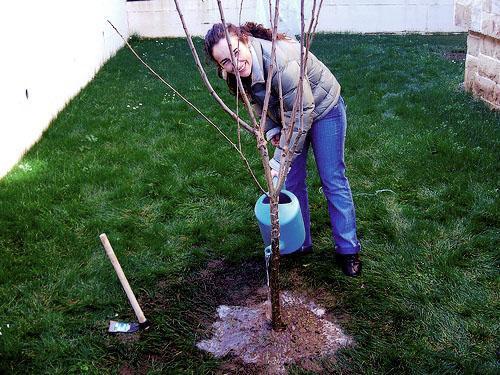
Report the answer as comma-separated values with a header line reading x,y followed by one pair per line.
x,y
490,25
490,46
474,41
497,95
469,78
489,67
484,87
471,63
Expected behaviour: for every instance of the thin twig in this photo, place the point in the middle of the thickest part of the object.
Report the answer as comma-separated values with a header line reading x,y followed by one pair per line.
x,y
238,129
261,142
273,189
204,75
302,67
280,98
312,27
244,95
270,13
317,20
308,38
237,88
239,16
190,104
289,151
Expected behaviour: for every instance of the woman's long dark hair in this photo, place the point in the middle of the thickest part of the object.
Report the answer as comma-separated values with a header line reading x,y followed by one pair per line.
x,y
216,33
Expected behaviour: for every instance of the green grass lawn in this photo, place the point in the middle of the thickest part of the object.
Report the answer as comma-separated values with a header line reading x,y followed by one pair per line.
x,y
128,158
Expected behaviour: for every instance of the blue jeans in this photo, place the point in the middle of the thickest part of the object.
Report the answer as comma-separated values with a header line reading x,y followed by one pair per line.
x,y
327,137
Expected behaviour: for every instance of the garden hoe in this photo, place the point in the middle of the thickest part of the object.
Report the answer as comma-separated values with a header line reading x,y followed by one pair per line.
x,y
122,327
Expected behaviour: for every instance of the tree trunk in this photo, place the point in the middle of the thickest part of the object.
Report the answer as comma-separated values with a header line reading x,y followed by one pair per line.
x,y
274,278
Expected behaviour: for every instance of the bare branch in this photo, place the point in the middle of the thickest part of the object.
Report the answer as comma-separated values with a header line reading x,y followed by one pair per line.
x,y
237,88
317,20
204,75
270,13
190,104
312,27
308,38
310,34
261,142
280,98
289,150
238,115
265,106
239,16
244,95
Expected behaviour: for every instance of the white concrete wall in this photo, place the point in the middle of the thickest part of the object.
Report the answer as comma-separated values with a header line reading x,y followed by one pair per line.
x,y
158,18
50,49
368,16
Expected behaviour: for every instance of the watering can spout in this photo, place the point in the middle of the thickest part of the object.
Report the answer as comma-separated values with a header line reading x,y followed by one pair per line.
x,y
268,251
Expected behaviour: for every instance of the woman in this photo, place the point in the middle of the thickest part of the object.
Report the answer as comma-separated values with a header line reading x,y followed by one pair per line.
x,y
323,115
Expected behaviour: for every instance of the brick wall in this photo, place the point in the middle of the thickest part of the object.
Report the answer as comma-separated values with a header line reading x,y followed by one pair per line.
x,y
482,65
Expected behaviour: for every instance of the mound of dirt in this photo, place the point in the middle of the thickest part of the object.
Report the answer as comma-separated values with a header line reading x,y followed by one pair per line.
x,y
245,332
233,296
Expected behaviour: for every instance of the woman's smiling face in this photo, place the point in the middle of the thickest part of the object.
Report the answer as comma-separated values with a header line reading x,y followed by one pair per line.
x,y
241,52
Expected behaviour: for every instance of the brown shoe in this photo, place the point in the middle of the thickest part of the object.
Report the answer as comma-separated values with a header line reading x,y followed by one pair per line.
x,y
350,264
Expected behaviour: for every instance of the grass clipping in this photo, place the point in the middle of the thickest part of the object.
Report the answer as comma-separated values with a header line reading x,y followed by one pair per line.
x,y
246,333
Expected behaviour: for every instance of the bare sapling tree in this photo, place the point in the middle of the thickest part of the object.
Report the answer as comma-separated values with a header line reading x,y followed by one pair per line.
x,y
292,121
293,126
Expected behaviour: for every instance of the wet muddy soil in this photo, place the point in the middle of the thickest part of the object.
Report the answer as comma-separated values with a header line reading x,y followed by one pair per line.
x,y
229,317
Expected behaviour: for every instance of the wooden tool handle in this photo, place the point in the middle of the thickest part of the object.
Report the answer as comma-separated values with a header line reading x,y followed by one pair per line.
x,y
122,278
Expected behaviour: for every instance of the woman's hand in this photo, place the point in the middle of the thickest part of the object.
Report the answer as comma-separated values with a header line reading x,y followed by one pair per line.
x,y
275,141
274,173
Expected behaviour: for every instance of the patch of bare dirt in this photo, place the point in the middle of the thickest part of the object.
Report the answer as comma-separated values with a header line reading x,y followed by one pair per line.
x,y
240,331
245,332
455,55
227,298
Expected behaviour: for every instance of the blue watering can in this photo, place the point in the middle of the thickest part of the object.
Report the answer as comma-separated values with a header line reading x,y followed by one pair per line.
x,y
292,232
